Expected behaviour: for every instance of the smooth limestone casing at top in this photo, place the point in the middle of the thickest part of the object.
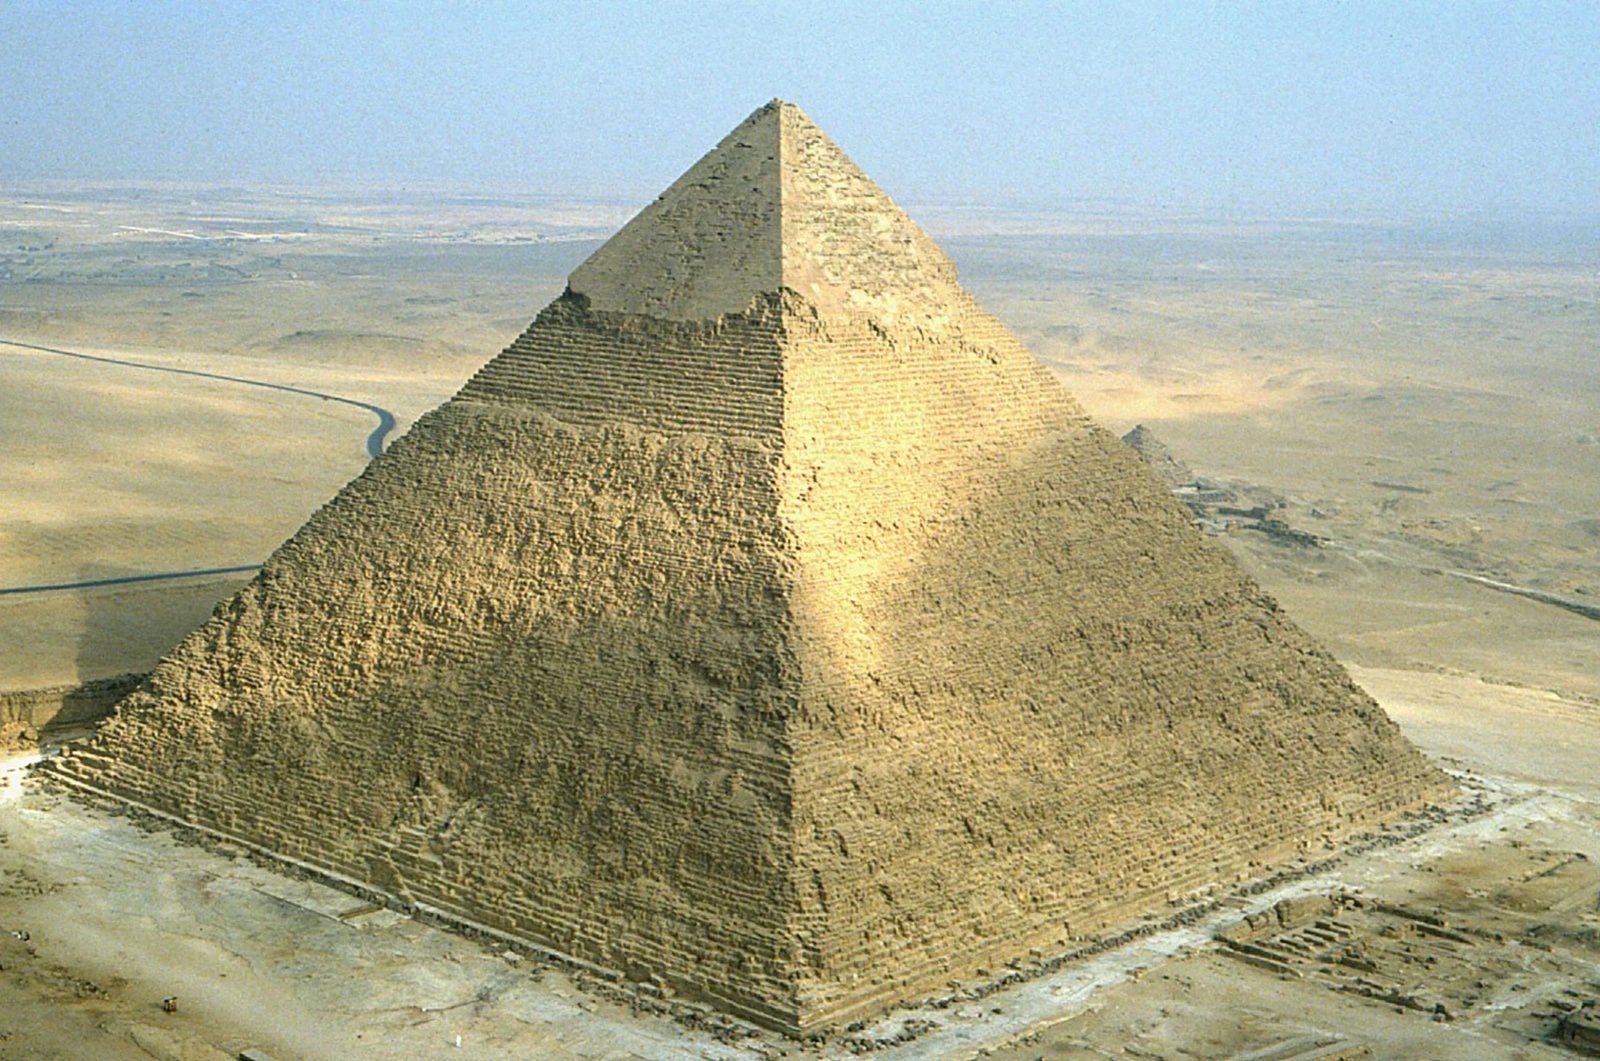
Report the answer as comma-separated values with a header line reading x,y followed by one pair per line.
x,y
767,621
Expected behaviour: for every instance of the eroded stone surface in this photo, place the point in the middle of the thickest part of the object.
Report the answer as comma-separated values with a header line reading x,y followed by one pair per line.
x,y
775,205
767,621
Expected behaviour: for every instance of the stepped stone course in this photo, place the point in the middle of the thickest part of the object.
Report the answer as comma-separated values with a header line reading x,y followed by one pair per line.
x,y
765,620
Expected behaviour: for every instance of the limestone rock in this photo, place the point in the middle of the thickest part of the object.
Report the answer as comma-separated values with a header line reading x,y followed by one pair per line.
x,y
765,621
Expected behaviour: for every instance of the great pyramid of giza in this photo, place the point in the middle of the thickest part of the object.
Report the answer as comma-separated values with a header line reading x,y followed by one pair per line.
x,y
767,621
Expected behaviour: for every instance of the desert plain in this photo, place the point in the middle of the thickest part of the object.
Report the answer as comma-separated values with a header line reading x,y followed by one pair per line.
x,y
1393,423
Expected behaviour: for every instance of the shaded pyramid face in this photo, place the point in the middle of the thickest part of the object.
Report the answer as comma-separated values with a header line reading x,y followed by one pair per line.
x,y
764,620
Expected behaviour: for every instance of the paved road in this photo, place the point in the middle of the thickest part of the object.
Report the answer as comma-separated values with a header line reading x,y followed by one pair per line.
x,y
1587,609
120,580
375,440
386,419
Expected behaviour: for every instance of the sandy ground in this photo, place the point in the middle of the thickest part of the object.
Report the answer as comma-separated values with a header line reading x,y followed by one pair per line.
x,y
1423,403
108,470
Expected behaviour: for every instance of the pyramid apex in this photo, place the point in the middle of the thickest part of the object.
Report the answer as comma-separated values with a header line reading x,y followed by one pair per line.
x,y
775,205
708,245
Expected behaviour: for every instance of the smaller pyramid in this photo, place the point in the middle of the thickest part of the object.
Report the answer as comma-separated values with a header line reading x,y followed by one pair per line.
x,y
767,621
1167,467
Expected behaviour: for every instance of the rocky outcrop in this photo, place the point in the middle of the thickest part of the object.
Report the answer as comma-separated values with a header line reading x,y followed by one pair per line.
x,y
27,715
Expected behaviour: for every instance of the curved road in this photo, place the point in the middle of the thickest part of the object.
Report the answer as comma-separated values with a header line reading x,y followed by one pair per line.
x,y
386,423
386,419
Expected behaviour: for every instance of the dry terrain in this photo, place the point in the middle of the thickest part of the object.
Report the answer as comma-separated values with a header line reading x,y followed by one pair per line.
x,y
1420,402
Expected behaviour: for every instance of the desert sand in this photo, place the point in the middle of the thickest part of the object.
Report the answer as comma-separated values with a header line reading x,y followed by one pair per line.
x,y
1419,397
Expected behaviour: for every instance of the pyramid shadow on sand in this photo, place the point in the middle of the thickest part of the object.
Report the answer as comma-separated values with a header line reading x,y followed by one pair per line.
x,y
765,622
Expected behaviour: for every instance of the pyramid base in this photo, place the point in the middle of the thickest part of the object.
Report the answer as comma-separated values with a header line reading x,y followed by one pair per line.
x,y
1104,928
438,916
1101,927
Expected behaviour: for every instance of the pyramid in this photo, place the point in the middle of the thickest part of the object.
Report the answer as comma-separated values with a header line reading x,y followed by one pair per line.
x,y
765,622
1167,467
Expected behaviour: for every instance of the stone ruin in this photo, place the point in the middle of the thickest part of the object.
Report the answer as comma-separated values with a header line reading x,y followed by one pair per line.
x,y
767,623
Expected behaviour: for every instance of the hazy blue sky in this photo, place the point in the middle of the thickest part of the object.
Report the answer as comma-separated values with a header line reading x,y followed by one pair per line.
x,y
1330,106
